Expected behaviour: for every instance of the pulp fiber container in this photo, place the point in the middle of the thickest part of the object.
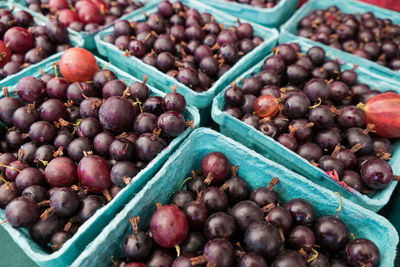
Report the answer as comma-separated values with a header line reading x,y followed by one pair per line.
x,y
289,31
273,150
92,227
202,101
270,17
88,37
257,171
75,40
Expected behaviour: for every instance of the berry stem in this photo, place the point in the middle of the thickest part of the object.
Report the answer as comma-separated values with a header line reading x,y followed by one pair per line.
x,y
314,257
273,183
184,181
340,205
106,193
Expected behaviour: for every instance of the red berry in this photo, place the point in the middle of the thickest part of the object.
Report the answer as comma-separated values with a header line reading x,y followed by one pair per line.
x,y
78,65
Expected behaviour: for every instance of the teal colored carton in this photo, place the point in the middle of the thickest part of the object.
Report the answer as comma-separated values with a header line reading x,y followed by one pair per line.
x,y
202,101
92,227
269,17
74,39
88,37
257,171
271,149
289,31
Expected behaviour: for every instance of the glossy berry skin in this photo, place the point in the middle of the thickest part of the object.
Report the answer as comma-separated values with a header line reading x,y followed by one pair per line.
x,y
181,197
60,172
65,202
264,196
102,142
331,233
17,167
122,149
350,116
296,105
116,114
78,65
302,211
353,180
29,176
22,211
220,225
196,213
42,132
89,205
383,111
174,102
93,173
266,106
8,105
251,260
148,146
289,258
171,123
58,239
329,163
121,170
215,199
376,173
137,246
263,238
8,192
237,189
354,136
245,213
42,230
362,252
301,236
169,226
234,96
31,89
280,217
18,39
220,252
193,243
5,54
321,116
216,164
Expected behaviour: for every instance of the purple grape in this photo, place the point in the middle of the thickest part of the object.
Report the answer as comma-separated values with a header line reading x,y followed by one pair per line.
x,y
331,233
362,251
376,173
289,258
220,225
21,212
181,197
263,238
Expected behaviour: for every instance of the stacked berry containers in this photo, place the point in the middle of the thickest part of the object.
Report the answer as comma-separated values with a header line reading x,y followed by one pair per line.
x,y
271,17
271,149
290,28
202,100
74,40
257,171
89,230
88,37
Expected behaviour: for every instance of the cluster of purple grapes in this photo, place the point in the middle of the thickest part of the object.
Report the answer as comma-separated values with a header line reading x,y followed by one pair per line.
x,y
227,225
185,44
84,140
364,35
308,88
258,3
22,43
84,15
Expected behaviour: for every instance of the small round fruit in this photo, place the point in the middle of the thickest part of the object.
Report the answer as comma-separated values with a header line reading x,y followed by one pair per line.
x,y
78,65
